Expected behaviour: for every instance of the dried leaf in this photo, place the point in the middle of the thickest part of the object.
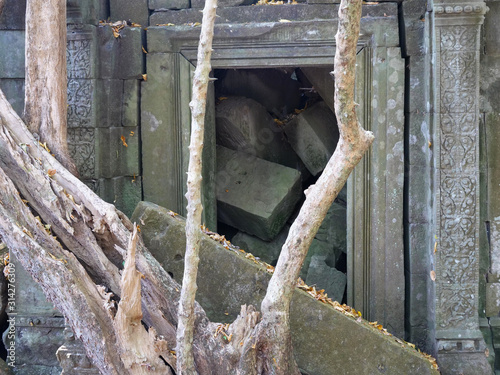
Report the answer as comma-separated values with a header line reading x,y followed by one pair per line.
x,y
51,172
144,50
124,141
145,77
433,275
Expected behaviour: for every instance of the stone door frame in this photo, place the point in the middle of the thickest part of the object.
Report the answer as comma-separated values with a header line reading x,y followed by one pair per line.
x,y
375,190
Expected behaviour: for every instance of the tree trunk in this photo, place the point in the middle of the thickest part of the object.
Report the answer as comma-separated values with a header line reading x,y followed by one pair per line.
x,y
273,333
45,109
185,327
79,270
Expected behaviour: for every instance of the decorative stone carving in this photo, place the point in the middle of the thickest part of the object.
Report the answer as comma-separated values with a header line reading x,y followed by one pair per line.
x,y
80,95
81,142
78,58
460,345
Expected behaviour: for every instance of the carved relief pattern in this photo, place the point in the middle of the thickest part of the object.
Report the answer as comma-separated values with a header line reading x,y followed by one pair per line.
x,y
78,58
81,142
80,95
457,259
459,310
458,38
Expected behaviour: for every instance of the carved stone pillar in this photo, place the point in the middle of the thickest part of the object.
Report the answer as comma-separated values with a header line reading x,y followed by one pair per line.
x,y
460,344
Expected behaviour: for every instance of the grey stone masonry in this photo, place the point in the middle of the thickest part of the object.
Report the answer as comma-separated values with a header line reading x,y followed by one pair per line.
x,y
159,5
13,16
313,135
254,195
460,344
135,11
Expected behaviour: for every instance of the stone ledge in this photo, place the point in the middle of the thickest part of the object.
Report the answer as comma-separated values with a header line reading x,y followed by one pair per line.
x,y
324,339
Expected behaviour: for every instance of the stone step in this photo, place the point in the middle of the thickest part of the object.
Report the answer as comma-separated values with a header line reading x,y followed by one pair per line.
x,y
245,125
313,135
255,195
325,340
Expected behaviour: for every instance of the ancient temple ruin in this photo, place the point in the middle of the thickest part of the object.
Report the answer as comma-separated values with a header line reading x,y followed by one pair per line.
x,y
413,240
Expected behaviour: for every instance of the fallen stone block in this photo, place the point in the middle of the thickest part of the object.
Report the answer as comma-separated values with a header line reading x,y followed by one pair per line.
x,y
322,82
334,228
313,135
268,251
325,339
245,125
255,195
273,88
325,277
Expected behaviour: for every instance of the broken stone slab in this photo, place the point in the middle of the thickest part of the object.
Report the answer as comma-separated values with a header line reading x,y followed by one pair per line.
x,y
318,248
325,340
268,251
325,277
255,195
322,82
313,135
245,125
273,88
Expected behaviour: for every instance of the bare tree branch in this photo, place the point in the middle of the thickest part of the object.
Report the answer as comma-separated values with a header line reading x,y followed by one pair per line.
x,y
185,327
353,143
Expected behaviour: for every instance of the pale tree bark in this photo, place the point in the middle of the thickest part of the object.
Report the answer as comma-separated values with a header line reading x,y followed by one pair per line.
x,y
79,270
185,327
45,109
273,332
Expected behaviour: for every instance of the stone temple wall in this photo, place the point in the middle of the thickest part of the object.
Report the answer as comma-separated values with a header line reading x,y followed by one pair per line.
x,y
109,98
103,97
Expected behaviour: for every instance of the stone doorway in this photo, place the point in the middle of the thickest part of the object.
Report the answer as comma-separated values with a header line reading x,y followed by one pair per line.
x,y
275,132
375,253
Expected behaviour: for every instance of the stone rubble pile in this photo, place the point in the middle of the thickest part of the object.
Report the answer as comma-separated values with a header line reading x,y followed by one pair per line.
x,y
275,135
